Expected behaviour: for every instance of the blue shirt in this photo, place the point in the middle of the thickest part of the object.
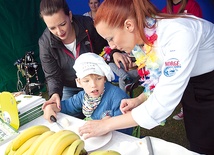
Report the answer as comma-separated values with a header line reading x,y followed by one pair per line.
x,y
109,104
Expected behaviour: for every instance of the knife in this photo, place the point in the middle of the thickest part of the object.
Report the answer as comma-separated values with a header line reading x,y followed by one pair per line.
x,y
52,118
149,145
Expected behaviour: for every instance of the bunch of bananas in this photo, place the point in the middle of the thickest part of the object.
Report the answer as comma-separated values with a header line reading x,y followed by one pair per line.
x,y
40,140
105,152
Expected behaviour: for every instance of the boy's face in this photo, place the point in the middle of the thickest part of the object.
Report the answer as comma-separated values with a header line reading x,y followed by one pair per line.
x,y
93,84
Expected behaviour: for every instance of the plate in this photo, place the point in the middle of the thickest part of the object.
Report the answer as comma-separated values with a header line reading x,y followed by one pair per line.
x,y
93,143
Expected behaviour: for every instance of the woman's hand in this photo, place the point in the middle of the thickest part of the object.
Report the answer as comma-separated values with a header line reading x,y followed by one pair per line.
x,y
94,128
54,99
123,58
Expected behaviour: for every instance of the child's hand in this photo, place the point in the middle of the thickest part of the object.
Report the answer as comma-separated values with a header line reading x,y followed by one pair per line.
x,y
54,99
127,105
49,110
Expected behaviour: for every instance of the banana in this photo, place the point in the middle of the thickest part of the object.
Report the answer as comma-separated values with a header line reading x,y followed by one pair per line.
x,y
26,145
83,152
39,140
46,144
105,152
63,141
65,151
11,152
25,153
76,147
8,148
27,134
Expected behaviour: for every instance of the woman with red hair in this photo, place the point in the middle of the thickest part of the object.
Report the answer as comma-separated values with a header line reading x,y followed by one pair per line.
x,y
174,54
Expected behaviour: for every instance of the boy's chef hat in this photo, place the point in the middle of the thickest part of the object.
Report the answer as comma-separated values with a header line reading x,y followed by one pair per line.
x,y
91,63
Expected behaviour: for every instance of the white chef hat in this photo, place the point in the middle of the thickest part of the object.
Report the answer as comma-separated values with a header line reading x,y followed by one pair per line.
x,y
91,63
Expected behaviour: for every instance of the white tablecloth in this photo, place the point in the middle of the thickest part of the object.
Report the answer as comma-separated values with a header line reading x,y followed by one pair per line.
x,y
125,144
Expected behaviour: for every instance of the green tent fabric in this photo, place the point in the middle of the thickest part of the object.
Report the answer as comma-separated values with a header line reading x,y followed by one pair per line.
x,y
20,29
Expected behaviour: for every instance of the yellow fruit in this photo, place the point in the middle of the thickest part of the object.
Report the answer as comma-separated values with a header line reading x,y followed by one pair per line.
x,y
27,134
12,152
38,142
63,141
105,152
76,147
83,152
8,148
45,145
66,150
24,147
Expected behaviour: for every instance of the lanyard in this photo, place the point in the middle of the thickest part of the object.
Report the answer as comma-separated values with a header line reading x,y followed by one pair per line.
x,y
71,55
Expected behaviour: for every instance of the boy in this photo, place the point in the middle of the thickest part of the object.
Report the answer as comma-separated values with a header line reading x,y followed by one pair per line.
x,y
99,98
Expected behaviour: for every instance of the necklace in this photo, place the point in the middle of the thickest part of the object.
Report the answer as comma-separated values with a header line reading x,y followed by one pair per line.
x,y
147,60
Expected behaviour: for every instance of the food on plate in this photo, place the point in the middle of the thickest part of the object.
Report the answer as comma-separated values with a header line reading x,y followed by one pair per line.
x,y
65,122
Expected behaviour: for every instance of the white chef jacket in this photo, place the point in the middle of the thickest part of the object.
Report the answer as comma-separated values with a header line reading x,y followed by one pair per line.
x,y
186,49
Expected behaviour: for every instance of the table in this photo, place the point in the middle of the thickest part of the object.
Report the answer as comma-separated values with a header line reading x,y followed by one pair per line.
x,y
119,141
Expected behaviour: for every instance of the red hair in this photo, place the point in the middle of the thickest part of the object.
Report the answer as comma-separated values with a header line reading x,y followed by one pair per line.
x,y
115,12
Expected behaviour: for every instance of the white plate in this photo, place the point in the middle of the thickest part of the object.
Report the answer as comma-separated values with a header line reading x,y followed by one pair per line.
x,y
93,143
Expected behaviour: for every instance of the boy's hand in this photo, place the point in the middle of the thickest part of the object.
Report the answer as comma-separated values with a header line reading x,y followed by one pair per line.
x,y
54,99
49,110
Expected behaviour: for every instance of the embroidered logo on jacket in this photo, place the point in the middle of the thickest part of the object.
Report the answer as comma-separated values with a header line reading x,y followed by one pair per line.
x,y
171,67
87,42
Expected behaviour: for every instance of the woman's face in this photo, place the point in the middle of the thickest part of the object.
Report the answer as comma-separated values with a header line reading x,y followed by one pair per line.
x,y
59,24
118,38
93,85
93,4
